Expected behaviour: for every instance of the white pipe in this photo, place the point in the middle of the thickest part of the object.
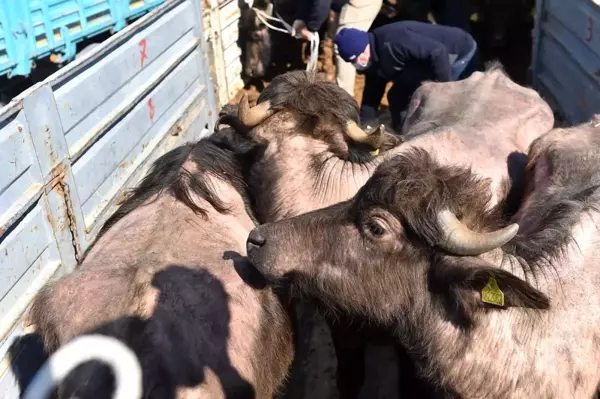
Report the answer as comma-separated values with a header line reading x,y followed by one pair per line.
x,y
127,369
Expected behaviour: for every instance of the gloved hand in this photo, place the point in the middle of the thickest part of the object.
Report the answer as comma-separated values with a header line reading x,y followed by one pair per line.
x,y
300,31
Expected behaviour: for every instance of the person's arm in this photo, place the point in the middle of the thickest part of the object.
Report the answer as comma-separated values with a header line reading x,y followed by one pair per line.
x,y
440,63
314,13
422,48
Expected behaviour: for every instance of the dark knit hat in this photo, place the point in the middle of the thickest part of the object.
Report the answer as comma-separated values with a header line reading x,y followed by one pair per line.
x,y
351,43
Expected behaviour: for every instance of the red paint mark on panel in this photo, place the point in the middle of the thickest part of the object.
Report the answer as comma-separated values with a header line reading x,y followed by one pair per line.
x,y
590,29
143,55
151,106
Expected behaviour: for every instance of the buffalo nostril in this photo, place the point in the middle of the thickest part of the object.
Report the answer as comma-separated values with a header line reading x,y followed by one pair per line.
x,y
255,238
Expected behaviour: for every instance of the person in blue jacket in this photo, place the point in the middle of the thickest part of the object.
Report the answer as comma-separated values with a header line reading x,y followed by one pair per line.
x,y
406,53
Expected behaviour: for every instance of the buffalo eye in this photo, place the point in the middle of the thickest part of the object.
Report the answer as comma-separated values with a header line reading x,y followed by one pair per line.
x,y
375,228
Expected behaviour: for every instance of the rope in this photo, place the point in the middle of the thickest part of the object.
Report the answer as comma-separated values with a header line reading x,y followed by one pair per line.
x,y
263,16
314,52
121,359
314,40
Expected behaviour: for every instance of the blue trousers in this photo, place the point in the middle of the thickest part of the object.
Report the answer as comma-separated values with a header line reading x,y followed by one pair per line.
x,y
407,83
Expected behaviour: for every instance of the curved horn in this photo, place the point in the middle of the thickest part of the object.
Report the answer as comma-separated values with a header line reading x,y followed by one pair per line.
x,y
373,139
255,115
460,240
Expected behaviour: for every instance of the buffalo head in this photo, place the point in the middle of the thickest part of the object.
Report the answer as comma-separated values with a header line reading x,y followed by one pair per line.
x,y
406,245
314,153
254,40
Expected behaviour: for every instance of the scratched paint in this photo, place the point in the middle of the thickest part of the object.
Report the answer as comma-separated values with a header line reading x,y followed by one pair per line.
x,y
151,108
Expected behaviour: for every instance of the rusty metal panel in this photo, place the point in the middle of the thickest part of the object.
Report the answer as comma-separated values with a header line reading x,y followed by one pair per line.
x,y
232,54
21,180
220,31
118,110
35,243
567,56
230,35
229,13
202,53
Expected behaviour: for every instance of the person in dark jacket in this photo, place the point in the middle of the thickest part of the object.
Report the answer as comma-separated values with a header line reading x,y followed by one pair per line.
x,y
406,53
311,14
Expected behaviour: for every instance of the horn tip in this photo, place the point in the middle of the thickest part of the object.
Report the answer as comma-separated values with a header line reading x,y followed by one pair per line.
x,y
513,228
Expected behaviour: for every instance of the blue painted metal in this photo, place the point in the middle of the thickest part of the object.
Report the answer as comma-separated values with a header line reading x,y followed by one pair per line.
x,y
34,29
566,56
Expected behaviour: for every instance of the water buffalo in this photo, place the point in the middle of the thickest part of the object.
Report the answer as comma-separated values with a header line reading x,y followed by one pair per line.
x,y
311,161
168,276
486,309
254,40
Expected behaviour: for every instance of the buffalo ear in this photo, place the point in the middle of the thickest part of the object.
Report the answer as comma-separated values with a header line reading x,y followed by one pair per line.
x,y
460,281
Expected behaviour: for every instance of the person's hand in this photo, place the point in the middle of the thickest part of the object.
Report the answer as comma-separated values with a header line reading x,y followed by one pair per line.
x,y
300,31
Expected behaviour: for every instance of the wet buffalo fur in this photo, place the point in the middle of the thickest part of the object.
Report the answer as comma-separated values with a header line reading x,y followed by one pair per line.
x,y
324,108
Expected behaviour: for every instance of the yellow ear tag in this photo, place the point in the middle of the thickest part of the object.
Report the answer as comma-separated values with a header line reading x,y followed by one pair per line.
x,y
474,17
375,153
533,12
492,294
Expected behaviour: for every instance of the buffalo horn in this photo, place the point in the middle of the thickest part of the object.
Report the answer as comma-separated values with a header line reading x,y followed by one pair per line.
x,y
255,115
460,240
374,139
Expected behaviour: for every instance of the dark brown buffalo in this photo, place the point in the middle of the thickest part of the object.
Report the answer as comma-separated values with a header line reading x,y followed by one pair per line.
x,y
168,276
254,40
417,246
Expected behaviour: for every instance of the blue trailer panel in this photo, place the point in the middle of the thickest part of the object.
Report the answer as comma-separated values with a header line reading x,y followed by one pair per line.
x,y
34,29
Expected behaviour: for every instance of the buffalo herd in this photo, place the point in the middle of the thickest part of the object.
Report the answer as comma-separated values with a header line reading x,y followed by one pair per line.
x,y
468,246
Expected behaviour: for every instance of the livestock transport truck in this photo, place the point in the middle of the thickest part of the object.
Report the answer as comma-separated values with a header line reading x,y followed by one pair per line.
x,y
71,146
